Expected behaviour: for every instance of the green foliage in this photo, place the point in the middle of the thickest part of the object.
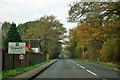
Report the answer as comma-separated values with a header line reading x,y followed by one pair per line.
x,y
5,28
105,10
110,50
93,55
72,44
22,28
72,49
10,73
4,42
49,30
102,63
11,36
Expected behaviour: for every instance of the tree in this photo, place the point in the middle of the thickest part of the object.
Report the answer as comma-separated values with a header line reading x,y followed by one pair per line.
x,y
49,30
97,22
72,43
5,28
79,11
12,35
110,51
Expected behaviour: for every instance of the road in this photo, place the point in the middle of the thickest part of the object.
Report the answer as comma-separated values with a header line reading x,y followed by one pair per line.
x,y
69,68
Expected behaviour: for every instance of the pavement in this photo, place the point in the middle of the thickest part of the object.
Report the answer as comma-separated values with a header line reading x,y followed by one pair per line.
x,y
31,73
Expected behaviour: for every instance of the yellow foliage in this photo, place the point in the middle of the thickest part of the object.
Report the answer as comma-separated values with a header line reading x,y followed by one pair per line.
x,y
86,52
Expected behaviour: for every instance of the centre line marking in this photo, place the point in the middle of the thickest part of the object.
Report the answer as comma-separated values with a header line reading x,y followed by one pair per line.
x,y
73,62
82,67
85,69
91,72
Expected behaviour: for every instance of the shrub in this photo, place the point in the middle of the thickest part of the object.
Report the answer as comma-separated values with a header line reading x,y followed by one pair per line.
x,y
110,50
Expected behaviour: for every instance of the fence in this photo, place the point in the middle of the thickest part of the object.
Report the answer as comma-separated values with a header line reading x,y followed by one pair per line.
x,y
11,61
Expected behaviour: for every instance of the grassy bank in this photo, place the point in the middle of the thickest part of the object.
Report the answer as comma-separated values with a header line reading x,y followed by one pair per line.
x,y
10,73
102,63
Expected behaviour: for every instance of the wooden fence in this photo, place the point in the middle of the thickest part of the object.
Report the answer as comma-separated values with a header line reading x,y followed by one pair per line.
x,y
11,61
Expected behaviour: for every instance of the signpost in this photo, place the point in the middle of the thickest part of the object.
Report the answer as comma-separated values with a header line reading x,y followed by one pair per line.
x,y
21,57
17,48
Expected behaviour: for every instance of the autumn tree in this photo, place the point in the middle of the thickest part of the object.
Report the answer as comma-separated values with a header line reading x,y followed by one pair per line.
x,y
75,51
79,11
97,22
110,51
49,30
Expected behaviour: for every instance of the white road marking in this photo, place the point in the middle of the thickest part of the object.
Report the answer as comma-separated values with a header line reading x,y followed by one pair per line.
x,y
73,62
85,69
82,67
91,72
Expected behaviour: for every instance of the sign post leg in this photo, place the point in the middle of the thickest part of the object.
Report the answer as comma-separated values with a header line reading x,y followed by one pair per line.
x,y
21,63
11,64
30,60
13,61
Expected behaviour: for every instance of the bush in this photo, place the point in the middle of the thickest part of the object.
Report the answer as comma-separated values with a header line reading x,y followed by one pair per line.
x,y
110,50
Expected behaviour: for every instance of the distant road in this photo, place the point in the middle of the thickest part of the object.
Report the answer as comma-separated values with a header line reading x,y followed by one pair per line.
x,y
69,68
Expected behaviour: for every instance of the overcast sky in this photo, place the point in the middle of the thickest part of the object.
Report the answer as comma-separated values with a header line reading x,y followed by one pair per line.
x,y
21,11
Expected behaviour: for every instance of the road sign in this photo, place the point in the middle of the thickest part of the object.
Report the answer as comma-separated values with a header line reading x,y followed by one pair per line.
x,y
16,48
21,57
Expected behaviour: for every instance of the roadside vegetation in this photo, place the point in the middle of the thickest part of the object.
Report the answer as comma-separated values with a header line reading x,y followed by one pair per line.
x,y
47,28
112,65
11,73
96,36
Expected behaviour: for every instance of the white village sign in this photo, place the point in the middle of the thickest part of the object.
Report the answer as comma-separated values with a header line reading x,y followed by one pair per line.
x,y
16,48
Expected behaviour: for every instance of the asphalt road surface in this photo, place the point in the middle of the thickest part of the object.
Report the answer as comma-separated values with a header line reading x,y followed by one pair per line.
x,y
69,68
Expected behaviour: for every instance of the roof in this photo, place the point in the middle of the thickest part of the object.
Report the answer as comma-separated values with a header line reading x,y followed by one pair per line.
x,y
31,39
33,43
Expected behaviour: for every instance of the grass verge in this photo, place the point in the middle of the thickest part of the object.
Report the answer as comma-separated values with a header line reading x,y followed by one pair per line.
x,y
102,63
10,73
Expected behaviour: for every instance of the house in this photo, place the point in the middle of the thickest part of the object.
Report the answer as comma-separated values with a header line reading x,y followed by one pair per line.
x,y
32,44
